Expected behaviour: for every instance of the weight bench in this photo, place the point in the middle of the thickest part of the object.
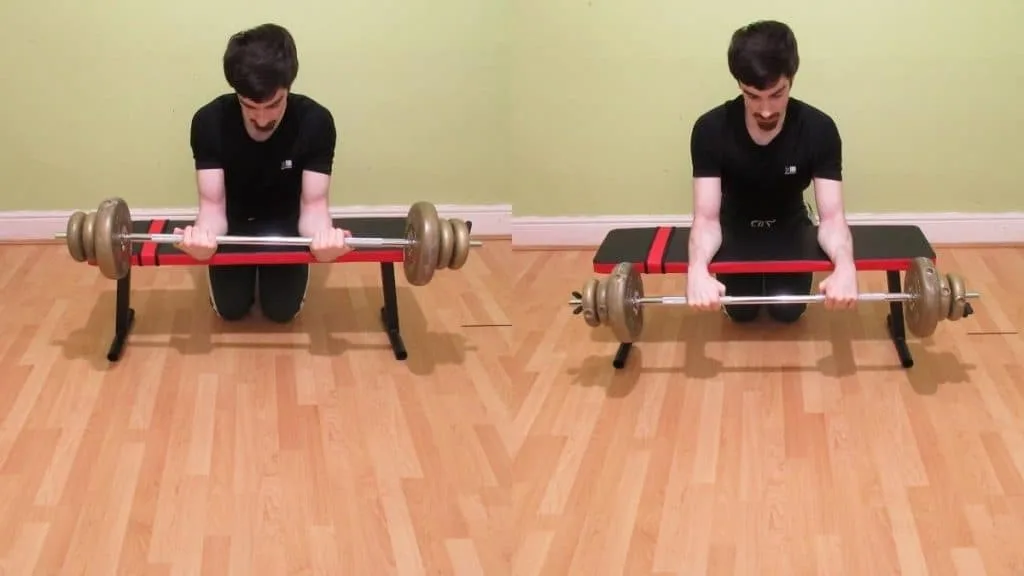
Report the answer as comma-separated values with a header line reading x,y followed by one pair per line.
x,y
664,250
154,254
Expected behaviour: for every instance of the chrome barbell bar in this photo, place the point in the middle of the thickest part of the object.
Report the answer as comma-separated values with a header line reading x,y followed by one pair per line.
x,y
355,242
778,299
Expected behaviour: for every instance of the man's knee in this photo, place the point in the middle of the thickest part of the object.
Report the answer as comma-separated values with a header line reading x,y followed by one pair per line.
x,y
786,313
742,285
232,312
280,311
787,285
742,313
231,292
282,292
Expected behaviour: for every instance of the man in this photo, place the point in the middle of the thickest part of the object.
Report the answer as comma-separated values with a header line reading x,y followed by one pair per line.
x,y
753,157
263,158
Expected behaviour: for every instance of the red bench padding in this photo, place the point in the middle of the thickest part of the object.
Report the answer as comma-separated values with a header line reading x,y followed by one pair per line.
x,y
664,250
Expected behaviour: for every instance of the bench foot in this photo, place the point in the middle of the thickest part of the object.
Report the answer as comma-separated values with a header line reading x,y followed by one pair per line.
x,y
389,312
902,351
394,336
124,318
895,322
621,355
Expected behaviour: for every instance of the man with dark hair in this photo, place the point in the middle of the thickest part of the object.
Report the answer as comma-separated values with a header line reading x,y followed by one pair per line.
x,y
263,158
753,157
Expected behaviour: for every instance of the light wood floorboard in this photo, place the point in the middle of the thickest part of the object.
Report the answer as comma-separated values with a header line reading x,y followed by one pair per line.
x,y
506,443
254,448
762,449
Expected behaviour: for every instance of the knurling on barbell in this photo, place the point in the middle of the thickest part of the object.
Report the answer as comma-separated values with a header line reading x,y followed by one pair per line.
x,y
105,238
618,300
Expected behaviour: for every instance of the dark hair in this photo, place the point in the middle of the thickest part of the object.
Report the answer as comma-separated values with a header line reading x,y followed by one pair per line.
x,y
260,61
762,52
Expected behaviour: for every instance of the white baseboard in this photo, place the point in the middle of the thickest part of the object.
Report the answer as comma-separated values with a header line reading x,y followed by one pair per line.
x,y
488,220
939,227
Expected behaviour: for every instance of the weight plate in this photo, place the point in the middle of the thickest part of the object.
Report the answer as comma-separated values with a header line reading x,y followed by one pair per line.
x,y
460,253
957,296
444,253
626,315
945,301
74,236
113,223
923,313
420,256
601,300
89,237
589,304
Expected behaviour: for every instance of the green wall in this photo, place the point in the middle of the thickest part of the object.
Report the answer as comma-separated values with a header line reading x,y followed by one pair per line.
x,y
559,108
98,96
927,96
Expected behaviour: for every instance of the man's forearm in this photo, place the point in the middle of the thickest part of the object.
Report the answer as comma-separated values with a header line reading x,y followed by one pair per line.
x,y
211,219
835,239
212,214
705,240
314,206
313,218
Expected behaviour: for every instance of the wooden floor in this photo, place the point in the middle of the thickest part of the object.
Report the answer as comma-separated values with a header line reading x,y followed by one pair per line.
x,y
506,443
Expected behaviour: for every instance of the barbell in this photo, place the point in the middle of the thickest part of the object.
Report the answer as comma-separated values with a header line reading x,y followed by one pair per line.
x,y
105,238
618,300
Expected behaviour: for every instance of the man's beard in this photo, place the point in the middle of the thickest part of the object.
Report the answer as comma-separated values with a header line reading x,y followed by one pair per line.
x,y
767,124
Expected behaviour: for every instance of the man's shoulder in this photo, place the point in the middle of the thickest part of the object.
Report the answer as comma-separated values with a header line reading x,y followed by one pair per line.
x,y
812,117
717,116
308,108
216,106
716,123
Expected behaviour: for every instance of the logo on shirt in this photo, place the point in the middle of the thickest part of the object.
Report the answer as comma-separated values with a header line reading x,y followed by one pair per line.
x,y
286,165
789,170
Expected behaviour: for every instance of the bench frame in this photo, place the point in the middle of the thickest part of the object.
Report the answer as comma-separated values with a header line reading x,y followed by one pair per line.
x,y
124,313
869,253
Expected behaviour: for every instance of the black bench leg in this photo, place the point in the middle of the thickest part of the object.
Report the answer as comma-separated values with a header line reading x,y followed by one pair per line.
x,y
895,322
124,318
389,312
621,355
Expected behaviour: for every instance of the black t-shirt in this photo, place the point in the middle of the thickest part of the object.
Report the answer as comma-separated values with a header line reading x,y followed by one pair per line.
x,y
765,183
263,180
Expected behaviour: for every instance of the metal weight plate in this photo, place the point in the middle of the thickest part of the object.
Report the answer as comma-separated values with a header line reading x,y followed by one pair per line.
x,y
460,253
945,299
601,300
74,236
111,228
625,315
89,237
957,296
588,302
925,310
422,226
444,252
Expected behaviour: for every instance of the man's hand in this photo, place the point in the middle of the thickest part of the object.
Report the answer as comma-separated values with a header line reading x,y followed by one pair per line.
x,y
198,243
329,244
703,291
840,288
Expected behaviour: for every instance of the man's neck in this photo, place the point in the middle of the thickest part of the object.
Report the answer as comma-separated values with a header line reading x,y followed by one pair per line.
x,y
760,136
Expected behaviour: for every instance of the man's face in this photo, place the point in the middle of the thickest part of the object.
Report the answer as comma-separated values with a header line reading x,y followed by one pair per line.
x,y
262,118
767,108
